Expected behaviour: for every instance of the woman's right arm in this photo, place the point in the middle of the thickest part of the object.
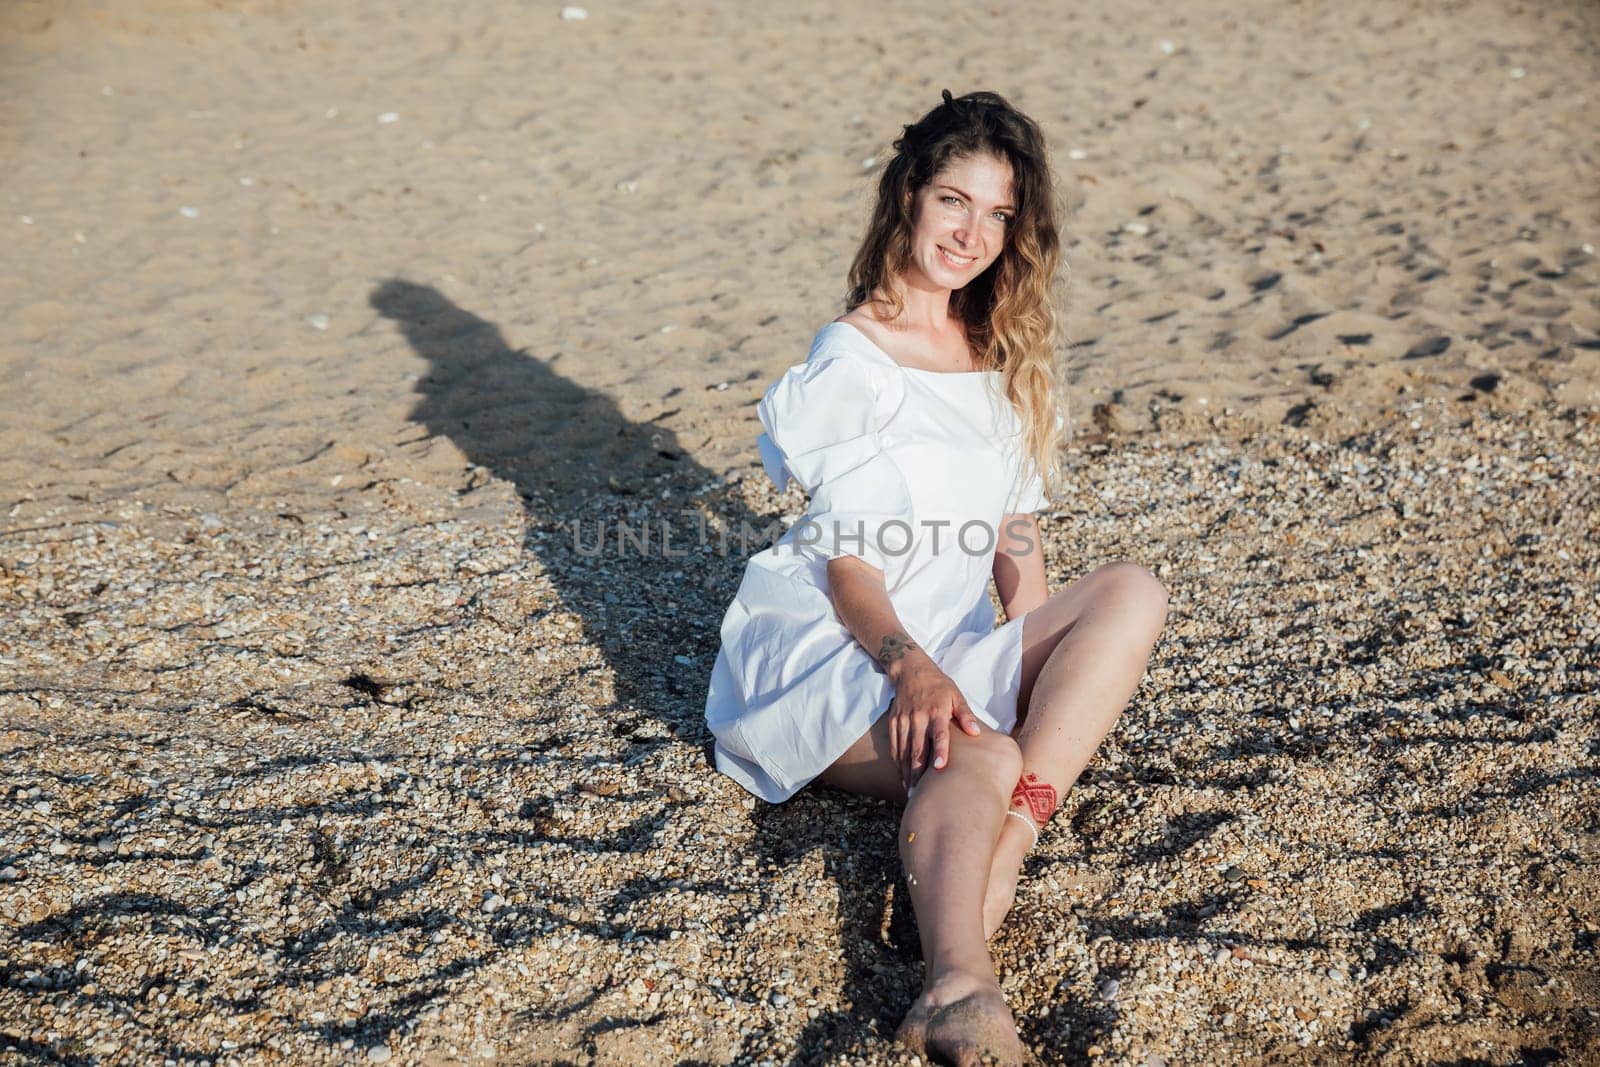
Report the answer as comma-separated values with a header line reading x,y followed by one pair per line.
x,y
925,698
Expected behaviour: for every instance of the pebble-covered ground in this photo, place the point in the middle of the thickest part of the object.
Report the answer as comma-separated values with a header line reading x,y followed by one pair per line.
x,y
320,324
356,767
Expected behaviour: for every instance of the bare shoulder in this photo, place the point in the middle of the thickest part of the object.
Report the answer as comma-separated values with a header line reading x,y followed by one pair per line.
x,y
870,326
859,317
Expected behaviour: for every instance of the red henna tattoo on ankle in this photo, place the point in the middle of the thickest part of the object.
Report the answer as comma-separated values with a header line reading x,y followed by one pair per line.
x,y
1038,798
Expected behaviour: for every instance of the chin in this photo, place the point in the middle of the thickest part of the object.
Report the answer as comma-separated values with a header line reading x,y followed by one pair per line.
x,y
943,275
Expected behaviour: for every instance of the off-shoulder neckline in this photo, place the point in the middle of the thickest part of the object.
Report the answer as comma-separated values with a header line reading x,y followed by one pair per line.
x,y
878,350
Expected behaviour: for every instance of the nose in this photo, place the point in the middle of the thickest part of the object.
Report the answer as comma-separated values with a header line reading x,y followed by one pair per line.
x,y
966,232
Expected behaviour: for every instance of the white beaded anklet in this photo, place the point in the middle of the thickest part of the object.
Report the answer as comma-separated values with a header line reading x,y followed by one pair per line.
x,y
1026,822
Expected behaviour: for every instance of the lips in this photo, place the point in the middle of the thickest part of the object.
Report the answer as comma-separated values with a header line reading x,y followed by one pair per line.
x,y
955,261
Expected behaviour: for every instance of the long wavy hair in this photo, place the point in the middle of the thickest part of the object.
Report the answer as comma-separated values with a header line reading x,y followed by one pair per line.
x,y
1008,310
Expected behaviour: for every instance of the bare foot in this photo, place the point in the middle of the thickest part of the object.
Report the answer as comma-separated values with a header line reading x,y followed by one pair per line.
x,y
962,1019
1009,849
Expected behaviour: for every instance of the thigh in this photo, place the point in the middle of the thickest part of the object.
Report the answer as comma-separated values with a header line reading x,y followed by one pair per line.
x,y
866,768
1045,626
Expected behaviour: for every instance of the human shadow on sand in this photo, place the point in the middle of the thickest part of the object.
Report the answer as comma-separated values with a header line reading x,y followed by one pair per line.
x,y
569,453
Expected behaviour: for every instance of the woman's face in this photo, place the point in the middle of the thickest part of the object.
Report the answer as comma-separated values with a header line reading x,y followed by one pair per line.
x,y
961,219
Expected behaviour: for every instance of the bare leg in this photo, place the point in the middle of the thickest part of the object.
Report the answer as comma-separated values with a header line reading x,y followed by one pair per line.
x,y
1084,651
946,840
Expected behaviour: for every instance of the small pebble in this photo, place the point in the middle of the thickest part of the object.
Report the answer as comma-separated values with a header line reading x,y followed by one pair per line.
x,y
378,1054
388,117
574,14
189,212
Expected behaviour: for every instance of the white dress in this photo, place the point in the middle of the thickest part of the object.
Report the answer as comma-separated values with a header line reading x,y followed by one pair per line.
x,y
896,460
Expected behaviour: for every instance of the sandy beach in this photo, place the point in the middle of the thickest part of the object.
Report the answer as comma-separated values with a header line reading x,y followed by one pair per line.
x,y
332,335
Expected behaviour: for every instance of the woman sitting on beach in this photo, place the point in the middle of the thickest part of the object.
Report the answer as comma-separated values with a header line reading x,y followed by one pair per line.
x,y
861,649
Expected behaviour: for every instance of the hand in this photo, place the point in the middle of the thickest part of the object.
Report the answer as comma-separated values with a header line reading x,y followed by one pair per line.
x,y
925,701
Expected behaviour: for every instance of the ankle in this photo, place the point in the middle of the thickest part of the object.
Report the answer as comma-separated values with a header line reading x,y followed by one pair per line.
x,y
1023,831
1017,836
948,983
1033,802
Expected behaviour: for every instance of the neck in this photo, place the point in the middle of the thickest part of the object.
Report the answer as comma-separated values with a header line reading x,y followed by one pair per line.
x,y
924,306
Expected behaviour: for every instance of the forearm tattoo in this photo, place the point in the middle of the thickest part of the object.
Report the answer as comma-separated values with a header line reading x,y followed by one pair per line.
x,y
895,646
1034,797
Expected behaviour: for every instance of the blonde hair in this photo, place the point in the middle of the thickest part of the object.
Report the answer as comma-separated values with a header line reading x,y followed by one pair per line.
x,y
1009,309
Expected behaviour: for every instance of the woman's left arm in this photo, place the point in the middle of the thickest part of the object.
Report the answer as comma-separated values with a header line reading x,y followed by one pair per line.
x,y
1019,565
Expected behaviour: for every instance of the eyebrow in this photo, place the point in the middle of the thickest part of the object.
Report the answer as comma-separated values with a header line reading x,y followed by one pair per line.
x,y
969,196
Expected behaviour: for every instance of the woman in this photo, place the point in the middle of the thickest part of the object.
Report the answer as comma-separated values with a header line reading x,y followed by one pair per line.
x,y
861,649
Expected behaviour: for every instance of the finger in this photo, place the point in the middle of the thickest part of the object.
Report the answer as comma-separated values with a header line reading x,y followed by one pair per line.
x,y
897,745
894,733
941,742
968,721
902,753
907,725
919,744
908,752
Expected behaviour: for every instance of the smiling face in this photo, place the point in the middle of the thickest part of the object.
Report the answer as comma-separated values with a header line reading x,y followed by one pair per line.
x,y
961,219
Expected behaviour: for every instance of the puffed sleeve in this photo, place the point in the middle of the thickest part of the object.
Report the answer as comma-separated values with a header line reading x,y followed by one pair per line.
x,y
823,420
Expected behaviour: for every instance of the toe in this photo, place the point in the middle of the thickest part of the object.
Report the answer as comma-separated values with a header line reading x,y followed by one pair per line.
x,y
913,1031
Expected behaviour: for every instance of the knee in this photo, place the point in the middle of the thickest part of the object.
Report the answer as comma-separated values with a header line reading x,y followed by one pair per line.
x,y
998,755
1137,592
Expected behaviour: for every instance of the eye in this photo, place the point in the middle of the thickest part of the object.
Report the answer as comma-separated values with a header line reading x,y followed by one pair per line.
x,y
1004,216
950,200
